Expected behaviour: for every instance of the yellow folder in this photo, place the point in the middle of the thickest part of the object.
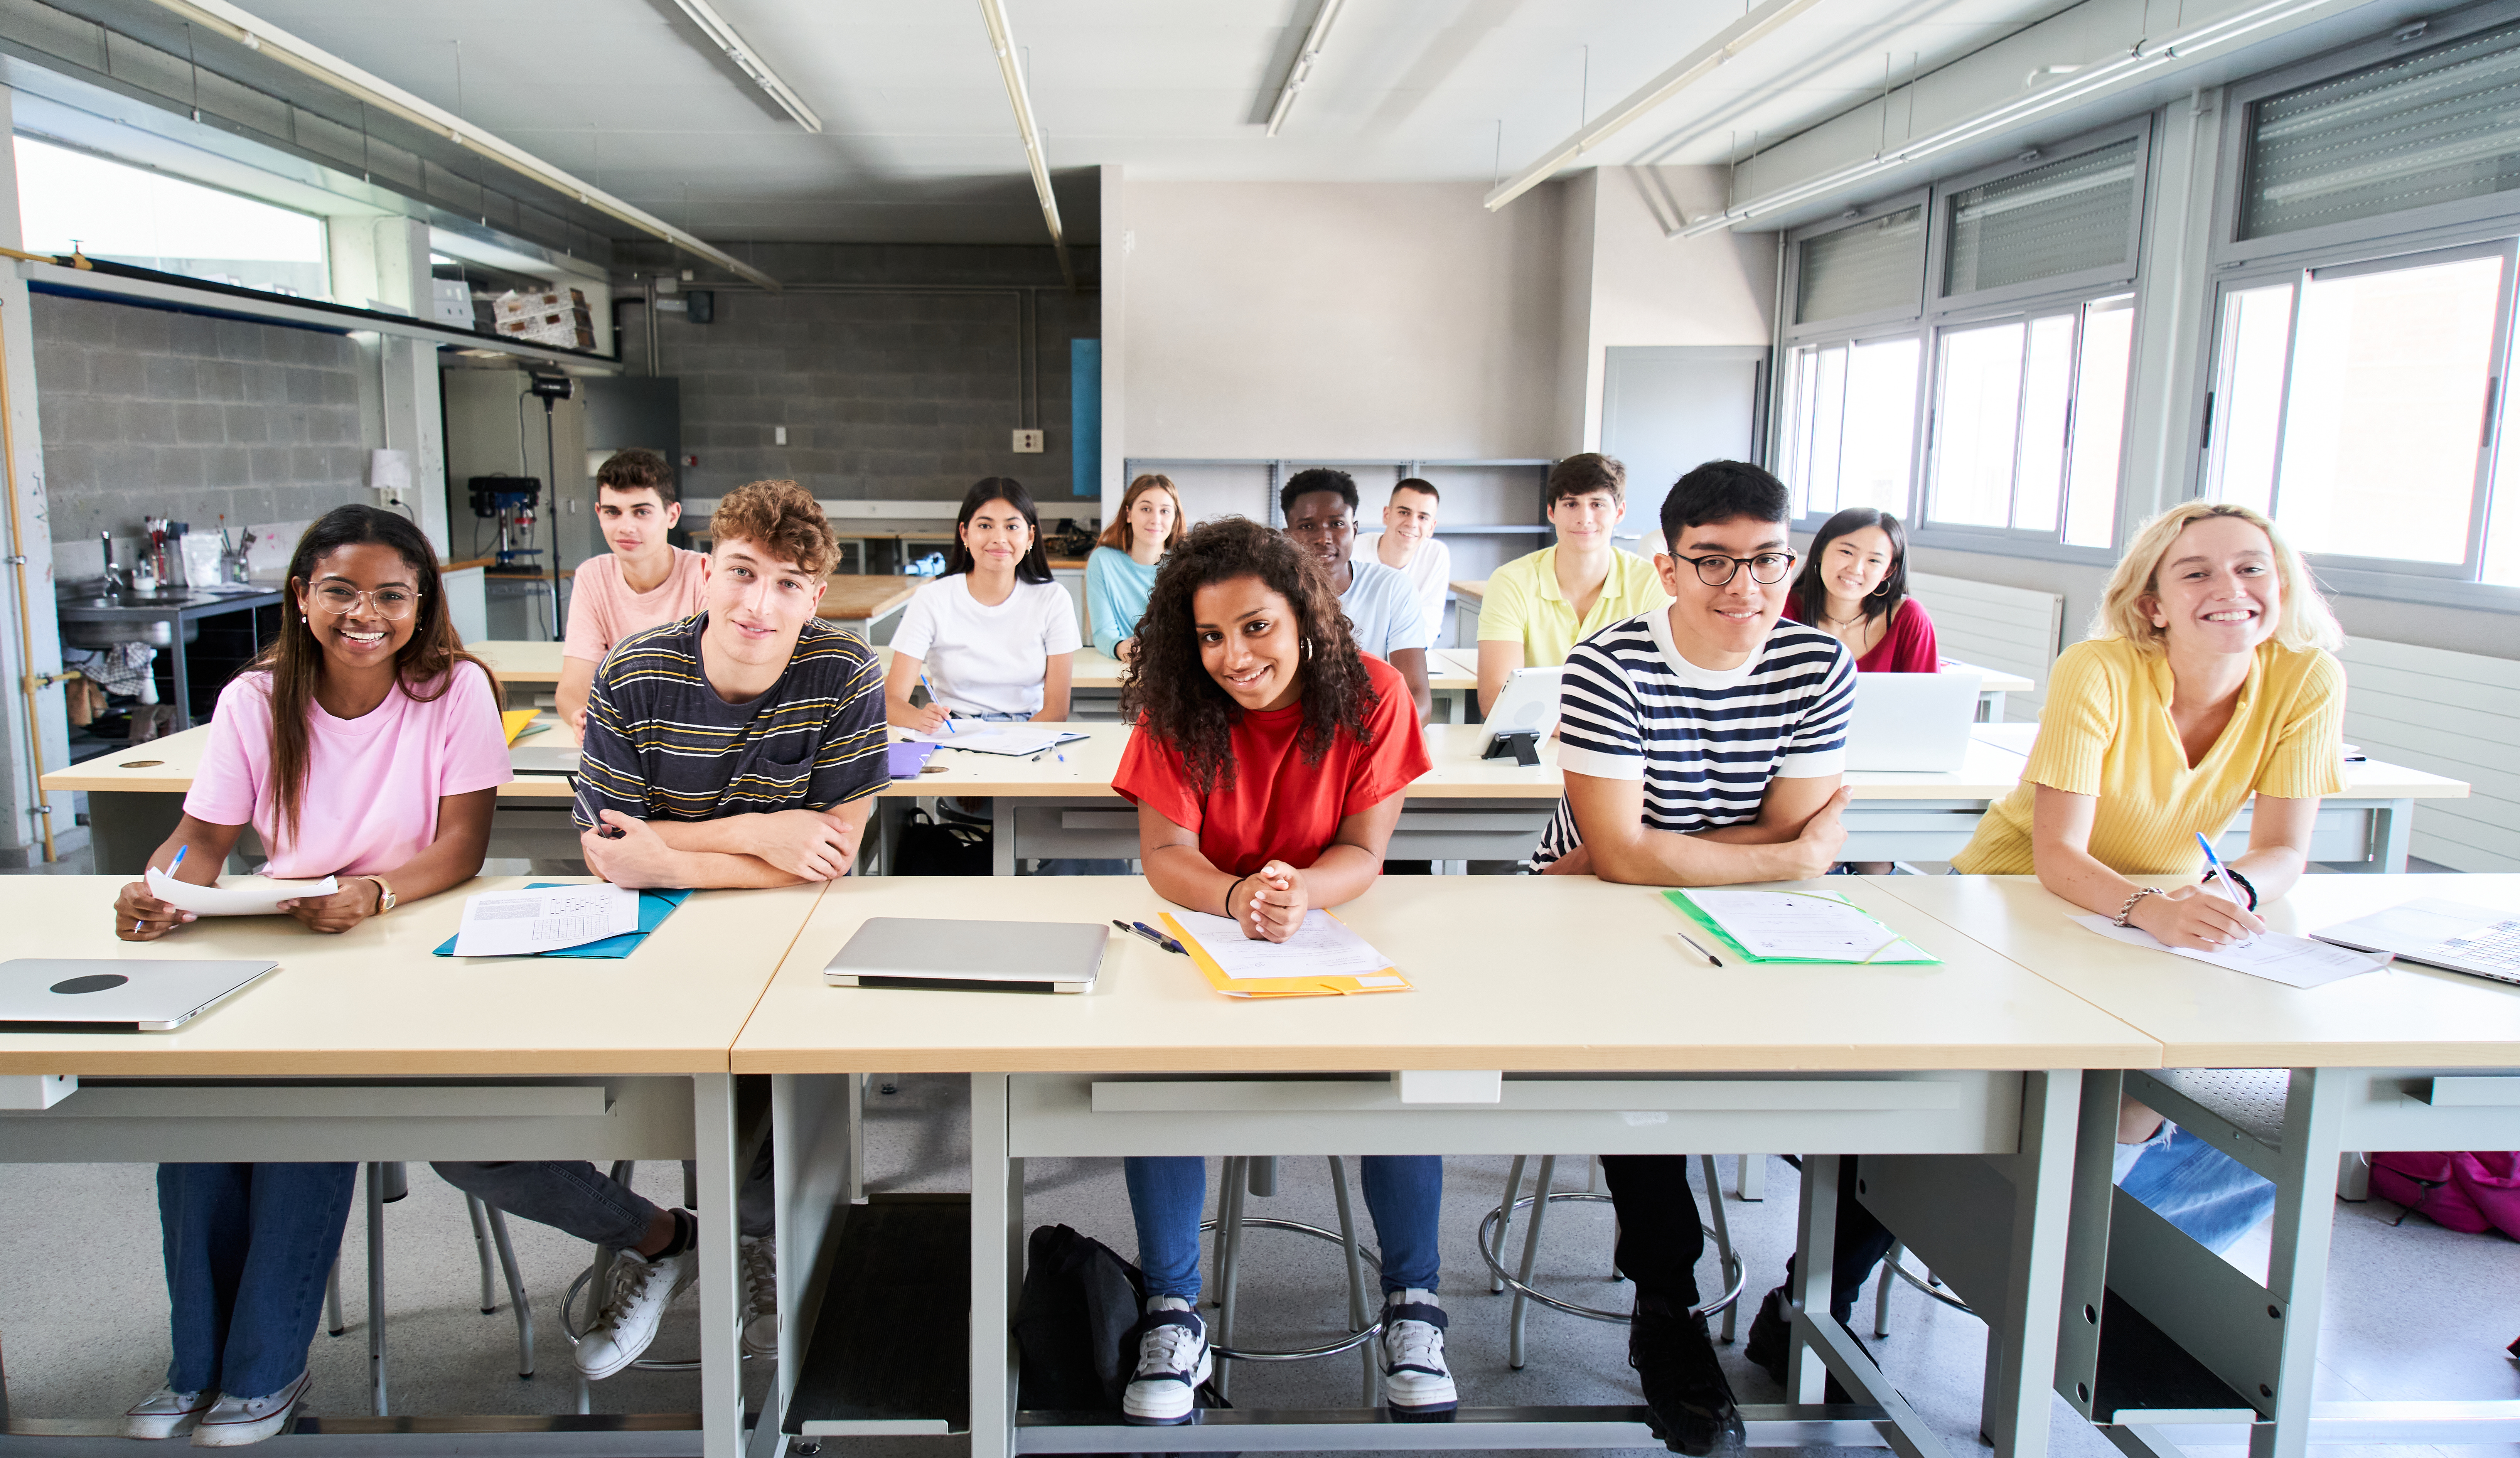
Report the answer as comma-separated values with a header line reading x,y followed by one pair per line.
x,y
516,721
1388,980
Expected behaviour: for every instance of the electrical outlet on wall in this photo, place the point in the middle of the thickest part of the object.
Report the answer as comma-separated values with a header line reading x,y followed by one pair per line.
x,y
1028,443
779,435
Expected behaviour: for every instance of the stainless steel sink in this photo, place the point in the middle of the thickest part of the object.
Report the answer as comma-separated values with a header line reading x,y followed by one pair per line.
x,y
96,622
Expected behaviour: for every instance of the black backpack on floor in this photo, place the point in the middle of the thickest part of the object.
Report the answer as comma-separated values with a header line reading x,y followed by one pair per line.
x,y
1077,1326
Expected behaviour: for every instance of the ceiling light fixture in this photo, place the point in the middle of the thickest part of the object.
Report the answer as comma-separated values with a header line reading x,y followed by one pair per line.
x,y
223,19
722,35
1302,68
1002,36
1696,65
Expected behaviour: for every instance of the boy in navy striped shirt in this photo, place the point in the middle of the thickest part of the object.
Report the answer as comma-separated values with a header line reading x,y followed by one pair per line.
x,y
1702,745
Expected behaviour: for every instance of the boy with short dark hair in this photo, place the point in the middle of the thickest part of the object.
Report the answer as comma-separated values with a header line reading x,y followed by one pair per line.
x,y
643,582
1539,607
1382,609
1408,545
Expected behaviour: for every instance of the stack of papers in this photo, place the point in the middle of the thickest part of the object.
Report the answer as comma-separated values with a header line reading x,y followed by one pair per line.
x,y
1020,740
1796,926
2276,956
544,919
1323,957
234,895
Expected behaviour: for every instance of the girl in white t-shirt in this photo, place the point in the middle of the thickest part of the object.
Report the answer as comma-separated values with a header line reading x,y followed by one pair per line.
x,y
995,638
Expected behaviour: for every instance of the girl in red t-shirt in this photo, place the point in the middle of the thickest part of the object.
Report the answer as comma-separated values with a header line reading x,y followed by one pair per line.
x,y
1854,587
1268,769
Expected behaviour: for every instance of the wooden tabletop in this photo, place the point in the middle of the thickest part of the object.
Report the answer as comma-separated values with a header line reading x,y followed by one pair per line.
x,y
519,663
1474,591
374,1001
852,597
1517,973
2207,1017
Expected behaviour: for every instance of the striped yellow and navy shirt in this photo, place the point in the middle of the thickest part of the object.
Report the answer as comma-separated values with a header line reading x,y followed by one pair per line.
x,y
661,745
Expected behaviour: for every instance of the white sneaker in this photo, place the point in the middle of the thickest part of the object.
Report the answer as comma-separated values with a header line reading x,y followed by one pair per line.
x,y
758,1255
1416,1383
1172,1361
641,1290
166,1413
234,1422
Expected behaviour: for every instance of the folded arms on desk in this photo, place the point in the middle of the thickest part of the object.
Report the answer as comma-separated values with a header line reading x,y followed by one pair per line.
x,y
780,847
1796,835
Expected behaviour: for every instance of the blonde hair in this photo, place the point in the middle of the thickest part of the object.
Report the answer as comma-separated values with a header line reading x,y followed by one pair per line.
x,y
2303,622
1117,534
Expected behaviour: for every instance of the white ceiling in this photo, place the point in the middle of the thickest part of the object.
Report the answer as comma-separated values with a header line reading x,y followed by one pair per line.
x,y
920,142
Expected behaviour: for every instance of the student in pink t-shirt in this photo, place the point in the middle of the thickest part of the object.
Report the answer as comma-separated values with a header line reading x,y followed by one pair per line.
x,y
645,584
364,744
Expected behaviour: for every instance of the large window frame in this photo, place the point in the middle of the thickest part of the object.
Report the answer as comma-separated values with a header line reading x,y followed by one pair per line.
x,y
1941,313
2409,238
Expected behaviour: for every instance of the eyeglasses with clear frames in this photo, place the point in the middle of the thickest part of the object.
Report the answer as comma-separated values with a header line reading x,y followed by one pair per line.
x,y
1767,569
392,604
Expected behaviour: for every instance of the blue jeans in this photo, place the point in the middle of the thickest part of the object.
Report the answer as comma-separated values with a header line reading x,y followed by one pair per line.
x,y
575,1198
248,1250
1404,1193
2206,1192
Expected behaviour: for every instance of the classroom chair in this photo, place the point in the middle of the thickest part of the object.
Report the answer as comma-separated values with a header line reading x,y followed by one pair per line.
x,y
1245,1175
1494,1228
387,1182
1930,1283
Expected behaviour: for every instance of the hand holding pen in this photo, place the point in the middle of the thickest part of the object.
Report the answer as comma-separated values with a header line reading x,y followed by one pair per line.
x,y
150,917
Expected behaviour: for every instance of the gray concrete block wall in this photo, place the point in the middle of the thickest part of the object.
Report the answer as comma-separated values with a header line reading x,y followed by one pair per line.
x,y
147,413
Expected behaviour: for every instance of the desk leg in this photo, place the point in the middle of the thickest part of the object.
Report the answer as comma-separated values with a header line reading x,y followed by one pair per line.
x,y
2389,848
2021,1341
2297,1265
997,1268
721,1359
1814,1255
1990,706
1001,834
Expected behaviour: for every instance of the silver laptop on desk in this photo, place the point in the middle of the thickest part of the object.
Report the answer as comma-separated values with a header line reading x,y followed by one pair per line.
x,y
1911,722
94,993
544,759
901,952
2474,939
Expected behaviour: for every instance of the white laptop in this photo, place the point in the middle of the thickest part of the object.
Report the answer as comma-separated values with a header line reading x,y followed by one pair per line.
x,y
901,952
1527,704
1911,722
93,993
2474,939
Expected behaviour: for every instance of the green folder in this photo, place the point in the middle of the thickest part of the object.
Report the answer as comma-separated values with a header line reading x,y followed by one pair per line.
x,y
1899,950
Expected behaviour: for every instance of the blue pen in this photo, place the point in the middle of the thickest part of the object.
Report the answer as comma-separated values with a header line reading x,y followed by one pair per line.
x,y
932,698
1151,935
173,867
2225,876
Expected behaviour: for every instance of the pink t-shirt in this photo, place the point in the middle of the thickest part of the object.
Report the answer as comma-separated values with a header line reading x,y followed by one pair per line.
x,y
372,783
602,609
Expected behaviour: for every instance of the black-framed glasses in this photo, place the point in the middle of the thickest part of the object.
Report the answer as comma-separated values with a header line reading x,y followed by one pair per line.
x,y
1767,569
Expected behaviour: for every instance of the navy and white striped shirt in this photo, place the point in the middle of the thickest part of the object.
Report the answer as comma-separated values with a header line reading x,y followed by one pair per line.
x,y
1704,741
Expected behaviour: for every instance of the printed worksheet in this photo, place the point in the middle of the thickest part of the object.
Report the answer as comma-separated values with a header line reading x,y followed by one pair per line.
x,y
2276,956
234,895
1020,740
1783,924
1323,947
544,919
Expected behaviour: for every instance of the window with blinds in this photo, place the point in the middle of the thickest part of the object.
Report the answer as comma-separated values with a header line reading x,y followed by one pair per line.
x,y
1874,267
2433,127
2064,217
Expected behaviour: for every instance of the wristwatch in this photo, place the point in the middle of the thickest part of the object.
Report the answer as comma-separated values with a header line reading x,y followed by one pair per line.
x,y
385,894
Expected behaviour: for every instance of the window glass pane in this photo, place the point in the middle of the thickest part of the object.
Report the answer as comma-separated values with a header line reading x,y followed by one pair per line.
x,y
2249,394
2064,217
1865,269
1880,439
2099,421
1814,418
2432,127
2387,402
1977,417
146,219
2046,390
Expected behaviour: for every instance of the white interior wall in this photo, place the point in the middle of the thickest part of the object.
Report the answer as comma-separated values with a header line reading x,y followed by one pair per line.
x,y
1650,289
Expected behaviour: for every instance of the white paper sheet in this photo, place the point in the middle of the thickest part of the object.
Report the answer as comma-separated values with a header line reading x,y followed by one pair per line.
x,y
1019,740
234,895
1321,947
545,919
2276,956
1783,924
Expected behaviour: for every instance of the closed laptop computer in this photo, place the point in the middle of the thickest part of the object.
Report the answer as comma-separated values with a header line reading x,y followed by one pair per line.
x,y
135,996
1911,722
899,952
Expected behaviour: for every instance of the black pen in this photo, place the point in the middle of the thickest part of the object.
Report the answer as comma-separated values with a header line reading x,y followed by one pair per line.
x,y
1141,929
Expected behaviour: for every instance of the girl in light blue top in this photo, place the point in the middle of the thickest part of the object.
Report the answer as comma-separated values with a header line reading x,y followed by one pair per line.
x,y
1122,569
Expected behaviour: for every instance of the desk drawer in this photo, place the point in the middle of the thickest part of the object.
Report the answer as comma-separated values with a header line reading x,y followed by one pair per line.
x,y
1190,1114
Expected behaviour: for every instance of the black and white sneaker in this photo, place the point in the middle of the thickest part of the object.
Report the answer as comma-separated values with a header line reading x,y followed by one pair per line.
x,y
1416,1386
1172,1361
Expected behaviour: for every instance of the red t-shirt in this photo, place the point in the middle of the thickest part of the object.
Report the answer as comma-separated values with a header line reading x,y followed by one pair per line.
x,y
1277,806
1908,648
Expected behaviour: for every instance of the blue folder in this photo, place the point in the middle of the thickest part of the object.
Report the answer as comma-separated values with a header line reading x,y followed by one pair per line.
x,y
653,908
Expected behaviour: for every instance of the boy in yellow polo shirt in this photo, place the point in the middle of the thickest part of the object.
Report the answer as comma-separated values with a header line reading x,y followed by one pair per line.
x,y
1539,607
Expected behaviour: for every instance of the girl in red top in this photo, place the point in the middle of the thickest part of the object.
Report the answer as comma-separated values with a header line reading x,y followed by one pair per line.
x,y
1267,768
1854,587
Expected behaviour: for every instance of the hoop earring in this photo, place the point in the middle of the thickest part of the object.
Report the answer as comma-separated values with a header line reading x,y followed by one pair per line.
x,y
1882,591
1308,649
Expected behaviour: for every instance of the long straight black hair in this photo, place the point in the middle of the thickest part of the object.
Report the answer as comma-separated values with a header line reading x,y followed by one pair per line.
x,y
1809,597
1034,565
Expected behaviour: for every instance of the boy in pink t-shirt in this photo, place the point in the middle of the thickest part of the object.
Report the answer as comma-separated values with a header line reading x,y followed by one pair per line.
x,y
645,582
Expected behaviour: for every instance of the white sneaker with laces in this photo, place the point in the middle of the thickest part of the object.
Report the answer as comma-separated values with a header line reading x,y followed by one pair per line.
x,y
234,1421
760,1257
166,1413
1172,1361
1416,1382
640,1291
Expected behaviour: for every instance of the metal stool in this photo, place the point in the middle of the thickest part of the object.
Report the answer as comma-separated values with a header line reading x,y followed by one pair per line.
x,y
1500,1220
1245,1175
1930,1283
599,1273
387,1182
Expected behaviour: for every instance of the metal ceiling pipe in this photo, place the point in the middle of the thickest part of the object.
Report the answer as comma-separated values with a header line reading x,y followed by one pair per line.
x,y
722,34
1002,36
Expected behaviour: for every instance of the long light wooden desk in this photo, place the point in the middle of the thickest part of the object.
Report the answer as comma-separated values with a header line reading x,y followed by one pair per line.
x,y
1093,684
364,1047
2283,1080
1628,1048
526,668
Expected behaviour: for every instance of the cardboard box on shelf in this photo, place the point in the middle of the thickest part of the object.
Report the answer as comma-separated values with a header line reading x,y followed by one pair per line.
x,y
548,316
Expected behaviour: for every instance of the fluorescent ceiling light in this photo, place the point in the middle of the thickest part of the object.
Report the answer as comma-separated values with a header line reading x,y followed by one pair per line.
x,y
1002,36
1696,65
224,19
1302,71
722,35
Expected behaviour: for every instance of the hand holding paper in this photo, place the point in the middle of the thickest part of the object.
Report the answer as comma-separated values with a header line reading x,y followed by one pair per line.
x,y
237,895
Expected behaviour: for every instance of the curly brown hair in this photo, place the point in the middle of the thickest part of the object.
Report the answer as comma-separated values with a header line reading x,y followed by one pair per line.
x,y
781,516
1171,694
